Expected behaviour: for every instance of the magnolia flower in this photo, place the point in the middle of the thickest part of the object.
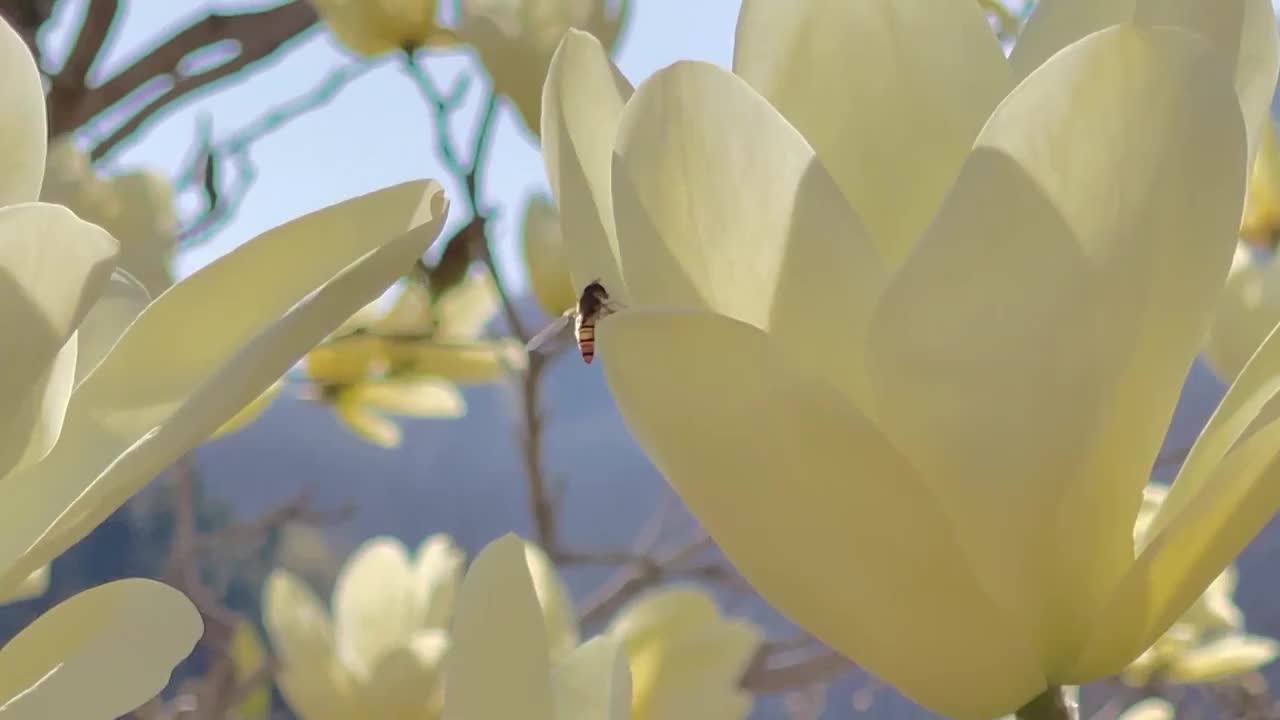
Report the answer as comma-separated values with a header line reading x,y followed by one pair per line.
x,y
374,27
104,388
1208,642
408,360
1247,313
503,663
380,654
924,317
544,258
136,208
516,38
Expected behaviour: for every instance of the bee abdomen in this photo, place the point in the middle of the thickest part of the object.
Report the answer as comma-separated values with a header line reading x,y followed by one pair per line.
x,y
585,330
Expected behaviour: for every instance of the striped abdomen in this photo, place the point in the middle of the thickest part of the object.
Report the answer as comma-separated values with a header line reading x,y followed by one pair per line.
x,y
584,329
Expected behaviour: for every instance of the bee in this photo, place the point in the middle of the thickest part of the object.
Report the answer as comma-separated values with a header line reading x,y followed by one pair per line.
x,y
593,305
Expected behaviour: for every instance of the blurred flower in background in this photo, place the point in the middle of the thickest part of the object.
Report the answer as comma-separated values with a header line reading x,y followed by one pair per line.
x,y
374,27
516,39
1208,643
380,654
684,657
865,354
407,360
136,208
544,257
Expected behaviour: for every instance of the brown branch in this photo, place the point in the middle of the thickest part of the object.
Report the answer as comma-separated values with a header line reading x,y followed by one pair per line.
x,y
256,34
99,18
815,667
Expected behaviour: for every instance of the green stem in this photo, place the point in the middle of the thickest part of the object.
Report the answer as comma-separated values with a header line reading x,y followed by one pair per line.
x,y
1055,703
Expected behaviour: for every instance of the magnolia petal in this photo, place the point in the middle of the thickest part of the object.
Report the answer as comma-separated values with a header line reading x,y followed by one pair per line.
x,y
1155,708
36,584
302,639
473,362
53,266
23,125
556,603
368,425
498,641
721,204
1244,31
864,82
791,481
373,603
1076,302
120,303
1223,658
582,103
593,683
414,397
544,258
123,433
67,664
36,422
463,311
684,656
437,571
250,412
1176,565
405,682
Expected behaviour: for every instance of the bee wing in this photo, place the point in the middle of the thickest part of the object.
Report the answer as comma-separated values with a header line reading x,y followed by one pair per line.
x,y
555,327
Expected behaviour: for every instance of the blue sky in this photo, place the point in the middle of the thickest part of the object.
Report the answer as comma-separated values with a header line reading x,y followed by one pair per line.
x,y
377,132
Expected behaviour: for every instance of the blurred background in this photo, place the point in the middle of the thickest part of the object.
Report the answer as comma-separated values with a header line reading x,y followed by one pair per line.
x,y
262,114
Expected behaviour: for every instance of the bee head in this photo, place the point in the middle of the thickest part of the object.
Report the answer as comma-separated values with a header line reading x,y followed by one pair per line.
x,y
595,290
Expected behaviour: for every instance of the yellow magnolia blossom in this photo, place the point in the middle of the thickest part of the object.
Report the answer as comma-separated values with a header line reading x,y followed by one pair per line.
x,y
501,663
1247,312
544,258
103,388
1261,222
945,366
408,360
374,27
1150,709
515,40
136,208
380,655
1208,642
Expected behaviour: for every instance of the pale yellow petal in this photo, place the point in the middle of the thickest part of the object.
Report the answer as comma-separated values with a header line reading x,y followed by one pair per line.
x,y
349,359
463,311
437,571
23,127
36,584
1053,344
1244,31
373,28
414,397
593,683
67,664
866,83
582,104
121,301
1155,708
1223,658
1239,496
410,314
792,481
556,602
406,680
684,656
721,204
373,602
473,362
545,260
301,636
260,307
498,641
369,426
249,661
250,412
53,266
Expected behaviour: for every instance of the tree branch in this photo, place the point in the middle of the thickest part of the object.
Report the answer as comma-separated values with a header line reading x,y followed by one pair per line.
x,y
256,35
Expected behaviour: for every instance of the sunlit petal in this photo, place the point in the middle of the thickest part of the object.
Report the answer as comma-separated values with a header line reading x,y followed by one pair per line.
x,y
373,602
23,125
